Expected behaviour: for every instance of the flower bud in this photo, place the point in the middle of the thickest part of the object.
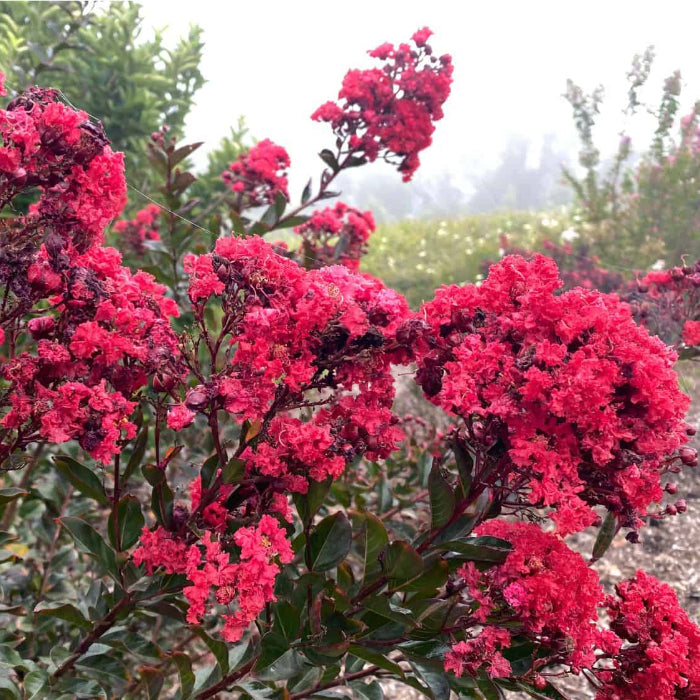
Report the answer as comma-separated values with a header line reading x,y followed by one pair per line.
x,y
196,398
688,456
681,506
41,327
163,382
671,488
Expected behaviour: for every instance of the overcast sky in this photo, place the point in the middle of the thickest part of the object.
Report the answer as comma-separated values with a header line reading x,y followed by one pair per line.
x,y
275,62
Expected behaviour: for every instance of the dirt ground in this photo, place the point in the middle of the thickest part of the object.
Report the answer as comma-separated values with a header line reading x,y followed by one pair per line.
x,y
669,549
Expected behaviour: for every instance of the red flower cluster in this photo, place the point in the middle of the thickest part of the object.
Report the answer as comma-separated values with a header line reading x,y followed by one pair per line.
x,y
389,112
56,149
246,583
563,394
107,326
323,339
336,235
534,585
660,655
135,232
92,332
258,175
468,657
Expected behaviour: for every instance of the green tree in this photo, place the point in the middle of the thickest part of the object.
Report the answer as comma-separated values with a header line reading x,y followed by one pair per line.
x,y
105,66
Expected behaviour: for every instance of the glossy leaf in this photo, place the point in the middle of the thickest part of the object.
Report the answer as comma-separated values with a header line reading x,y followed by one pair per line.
x,y
487,549
91,542
185,674
376,659
83,479
606,535
63,611
330,542
131,522
400,562
442,498
10,494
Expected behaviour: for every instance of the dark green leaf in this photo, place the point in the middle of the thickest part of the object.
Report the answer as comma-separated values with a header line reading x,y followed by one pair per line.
x,y
549,692
442,498
373,539
63,611
184,670
269,217
329,159
465,465
131,522
280,205
216,647
277,661
137,453
238,224
488,688
433,576
36,685
489,549
162,504
401,562
606,535
367,691
432,673
233,471
376,659
330,542
91,542
9,494
306,194
287,620
82,478
290,221
209,469
307,504
152,682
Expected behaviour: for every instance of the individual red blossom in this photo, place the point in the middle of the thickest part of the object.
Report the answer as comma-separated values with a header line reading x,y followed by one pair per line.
x,y
214,515
258,175
161,549
335,235
691,333
389,112
179,417
660,657
144,227
584,405
482,651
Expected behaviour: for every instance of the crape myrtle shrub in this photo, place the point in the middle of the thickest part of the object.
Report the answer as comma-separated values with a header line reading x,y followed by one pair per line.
x,y
203,475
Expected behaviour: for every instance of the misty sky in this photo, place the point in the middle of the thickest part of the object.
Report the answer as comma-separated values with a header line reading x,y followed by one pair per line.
x,y
275,62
